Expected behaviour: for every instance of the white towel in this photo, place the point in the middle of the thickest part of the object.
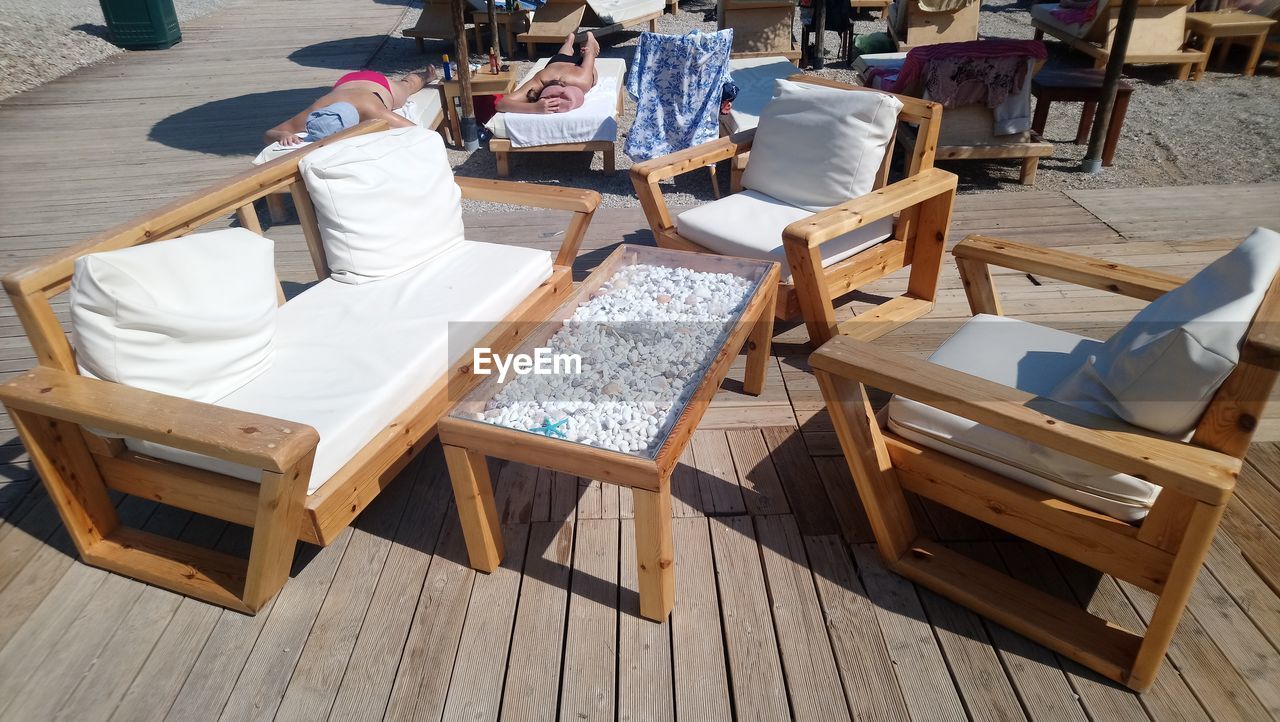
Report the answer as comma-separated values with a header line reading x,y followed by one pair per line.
x,y
595,119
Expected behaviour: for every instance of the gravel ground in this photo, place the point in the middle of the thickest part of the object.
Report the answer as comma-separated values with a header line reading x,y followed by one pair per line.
x,y
45,39
1222,129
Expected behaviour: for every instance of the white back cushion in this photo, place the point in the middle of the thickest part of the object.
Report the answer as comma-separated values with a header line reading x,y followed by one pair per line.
x,y
1162,369
817,147
386,202
193,317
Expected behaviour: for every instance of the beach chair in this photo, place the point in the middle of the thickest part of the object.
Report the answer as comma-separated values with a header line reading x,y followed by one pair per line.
x,y
761,28
971,131
818,201
591,127
185,386
1120,455
553,21
1158,36
755,78
925,22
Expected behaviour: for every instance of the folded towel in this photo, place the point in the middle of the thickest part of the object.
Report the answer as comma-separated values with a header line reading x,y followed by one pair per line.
x,y
595,119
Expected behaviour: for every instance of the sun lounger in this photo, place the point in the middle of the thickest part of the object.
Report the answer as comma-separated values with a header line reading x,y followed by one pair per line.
x,y
1157,37
591,127
969,131
423,108
926,22
761,28
553,21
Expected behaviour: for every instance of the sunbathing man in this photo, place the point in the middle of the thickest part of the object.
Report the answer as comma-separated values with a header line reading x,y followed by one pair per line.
x,y
369,92
559,87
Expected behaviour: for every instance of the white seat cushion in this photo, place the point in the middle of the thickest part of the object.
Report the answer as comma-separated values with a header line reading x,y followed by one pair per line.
x,y
1034,359
755,78
749,224
1162,369
350,358
193,317
624,11
386,202
817,147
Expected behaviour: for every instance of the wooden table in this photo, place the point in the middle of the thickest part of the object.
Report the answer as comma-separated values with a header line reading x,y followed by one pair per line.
x,y
1081,85
468,440
482,83
1230,24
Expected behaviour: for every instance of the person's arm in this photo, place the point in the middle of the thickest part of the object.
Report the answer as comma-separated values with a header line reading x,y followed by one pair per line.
x,y
395,120
286,133
514,103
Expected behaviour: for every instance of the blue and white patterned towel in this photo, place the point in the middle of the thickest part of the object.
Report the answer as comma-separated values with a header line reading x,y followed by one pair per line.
x,y
676,81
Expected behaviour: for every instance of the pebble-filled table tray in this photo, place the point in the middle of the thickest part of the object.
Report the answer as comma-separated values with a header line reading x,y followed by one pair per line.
x,y
611,387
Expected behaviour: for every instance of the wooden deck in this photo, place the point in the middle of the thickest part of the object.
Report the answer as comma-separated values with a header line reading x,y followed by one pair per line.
x,y
782,608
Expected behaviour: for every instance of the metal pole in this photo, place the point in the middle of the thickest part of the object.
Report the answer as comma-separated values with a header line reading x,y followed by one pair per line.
x,y
1092,162
819,34
467,113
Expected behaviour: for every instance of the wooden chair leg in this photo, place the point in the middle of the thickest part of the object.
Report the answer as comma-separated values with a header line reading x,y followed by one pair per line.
x,y
812,293
473,495
1028,174
609,159
759,344
275,532
248,217
654,552
1086,122
275,208
868,459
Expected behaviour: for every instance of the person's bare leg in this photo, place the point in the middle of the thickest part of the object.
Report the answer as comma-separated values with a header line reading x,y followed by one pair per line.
x,y
590,51
567,47
412,83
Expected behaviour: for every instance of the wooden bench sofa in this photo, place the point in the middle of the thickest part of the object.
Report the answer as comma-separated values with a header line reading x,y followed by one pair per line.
x,y
71,423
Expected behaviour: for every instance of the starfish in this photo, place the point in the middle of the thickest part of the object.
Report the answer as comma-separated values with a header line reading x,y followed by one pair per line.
x,y
551,429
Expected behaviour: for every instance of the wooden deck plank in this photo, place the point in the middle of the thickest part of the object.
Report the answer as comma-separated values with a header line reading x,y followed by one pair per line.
x,y
918,662
533,668
717,476
486,634
589,679
808,662
761,488
755,670
697,649
645,689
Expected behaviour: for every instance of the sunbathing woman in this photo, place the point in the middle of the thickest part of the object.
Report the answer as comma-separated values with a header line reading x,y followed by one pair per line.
x,y
372,95
559,87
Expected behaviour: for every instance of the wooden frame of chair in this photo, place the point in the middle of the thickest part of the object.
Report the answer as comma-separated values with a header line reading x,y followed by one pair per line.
x,y
922,27
1162,553
1158,36
761,28
55,410
922,200
502,148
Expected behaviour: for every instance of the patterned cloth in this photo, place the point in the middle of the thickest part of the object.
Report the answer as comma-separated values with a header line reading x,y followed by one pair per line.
x,y
676,82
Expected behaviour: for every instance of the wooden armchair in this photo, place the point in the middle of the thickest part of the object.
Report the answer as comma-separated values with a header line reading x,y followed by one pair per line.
x,y
1158,35
70,422
922,201
1159,549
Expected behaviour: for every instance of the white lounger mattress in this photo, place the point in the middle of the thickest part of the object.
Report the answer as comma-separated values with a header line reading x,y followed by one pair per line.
x,y
755,78
350,358
624,11
596,119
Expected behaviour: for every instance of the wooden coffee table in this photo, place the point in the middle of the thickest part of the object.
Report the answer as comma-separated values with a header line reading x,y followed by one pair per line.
x,y
469,437
1231,24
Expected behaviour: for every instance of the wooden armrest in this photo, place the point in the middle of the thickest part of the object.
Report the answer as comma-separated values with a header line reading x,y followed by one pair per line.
x,y
851,215
237,436
1081,270
691,159
1202,474
529,194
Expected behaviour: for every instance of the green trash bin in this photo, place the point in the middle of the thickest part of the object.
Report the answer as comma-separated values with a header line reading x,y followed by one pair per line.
x,y
142,24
